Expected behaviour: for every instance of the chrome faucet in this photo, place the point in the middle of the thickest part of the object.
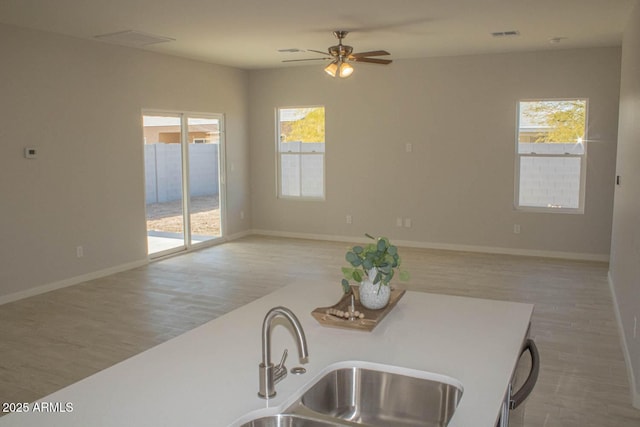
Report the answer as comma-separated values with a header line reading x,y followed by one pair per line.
x,y
270,374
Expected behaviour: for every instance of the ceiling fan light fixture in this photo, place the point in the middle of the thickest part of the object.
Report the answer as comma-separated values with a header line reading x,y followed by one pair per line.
x,y
339,68
332,68
340,56
345,70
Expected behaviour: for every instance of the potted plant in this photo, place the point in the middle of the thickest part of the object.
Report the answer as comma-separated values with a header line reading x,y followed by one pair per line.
x,y
373,266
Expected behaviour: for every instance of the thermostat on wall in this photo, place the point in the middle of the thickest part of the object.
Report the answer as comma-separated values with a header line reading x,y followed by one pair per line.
x,y
30,153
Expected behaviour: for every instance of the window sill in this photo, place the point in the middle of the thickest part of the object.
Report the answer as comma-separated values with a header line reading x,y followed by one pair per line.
x,y
533,209
302,198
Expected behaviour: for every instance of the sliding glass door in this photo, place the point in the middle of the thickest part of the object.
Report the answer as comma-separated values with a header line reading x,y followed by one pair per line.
x,y
183,179
204,178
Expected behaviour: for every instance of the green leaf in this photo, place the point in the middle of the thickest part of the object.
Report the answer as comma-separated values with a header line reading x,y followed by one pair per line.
x,y
382,245
357,276
385,268
351,258
392,250
377,278
346,287
348,272
367,264
404,275
391,274
357,249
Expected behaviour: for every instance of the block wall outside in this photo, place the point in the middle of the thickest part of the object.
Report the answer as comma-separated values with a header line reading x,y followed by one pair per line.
x,y
548,181
302,174
544,180
163,171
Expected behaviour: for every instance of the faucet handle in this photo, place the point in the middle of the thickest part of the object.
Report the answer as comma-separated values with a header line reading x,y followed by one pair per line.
x,y
284,357
280,371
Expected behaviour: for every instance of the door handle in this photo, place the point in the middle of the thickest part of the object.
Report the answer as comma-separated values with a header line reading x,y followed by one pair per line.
x,y
520,396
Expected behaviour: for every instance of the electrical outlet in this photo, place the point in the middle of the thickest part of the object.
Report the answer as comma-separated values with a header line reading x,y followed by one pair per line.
x,y
398,222
349,219
30,153
516,228
408,147
407,222
79,251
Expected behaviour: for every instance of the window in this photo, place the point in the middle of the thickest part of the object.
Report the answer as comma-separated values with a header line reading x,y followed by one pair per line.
x,y
551,155
301,152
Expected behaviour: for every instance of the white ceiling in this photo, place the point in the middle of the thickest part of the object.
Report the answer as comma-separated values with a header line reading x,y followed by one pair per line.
x,y
249,33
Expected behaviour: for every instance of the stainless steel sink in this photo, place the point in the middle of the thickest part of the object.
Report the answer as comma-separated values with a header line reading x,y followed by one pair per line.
x,y
379,398
359,394
287,420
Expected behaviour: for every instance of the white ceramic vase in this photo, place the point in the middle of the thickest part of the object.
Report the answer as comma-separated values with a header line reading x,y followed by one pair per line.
x,y
374,297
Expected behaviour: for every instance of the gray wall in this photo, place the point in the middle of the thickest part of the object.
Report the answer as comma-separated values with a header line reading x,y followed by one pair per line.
x,y
80,103
163,171
625,244
457,184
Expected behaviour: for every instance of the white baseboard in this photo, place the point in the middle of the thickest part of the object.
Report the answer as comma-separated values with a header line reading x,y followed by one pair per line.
x,y
309,236
635,395
4,299
444,246
236,236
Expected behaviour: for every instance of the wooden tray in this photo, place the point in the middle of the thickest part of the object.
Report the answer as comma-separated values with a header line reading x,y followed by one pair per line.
x,y
371,319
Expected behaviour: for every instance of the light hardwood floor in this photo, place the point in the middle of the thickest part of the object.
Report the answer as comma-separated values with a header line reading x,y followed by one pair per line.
x,y
54,339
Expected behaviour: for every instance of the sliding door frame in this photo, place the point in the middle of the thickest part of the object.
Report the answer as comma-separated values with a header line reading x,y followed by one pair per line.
x,y
184,117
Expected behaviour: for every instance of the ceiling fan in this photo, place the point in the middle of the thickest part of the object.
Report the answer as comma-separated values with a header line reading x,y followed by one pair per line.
x,y
340,55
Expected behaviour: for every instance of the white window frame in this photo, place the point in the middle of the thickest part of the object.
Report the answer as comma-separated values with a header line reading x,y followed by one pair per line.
x,y
279,155
583,163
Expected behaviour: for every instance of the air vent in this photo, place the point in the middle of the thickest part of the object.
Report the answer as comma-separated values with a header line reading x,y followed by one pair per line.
x,y
512,33
133,38
556,40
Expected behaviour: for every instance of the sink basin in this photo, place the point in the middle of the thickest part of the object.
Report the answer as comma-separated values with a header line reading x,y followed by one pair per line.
x,y
287,420
381,398
365,394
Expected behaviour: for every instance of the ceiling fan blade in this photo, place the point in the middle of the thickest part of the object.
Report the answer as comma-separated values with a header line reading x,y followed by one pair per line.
x,y
307,59
318,51
372,60
372,53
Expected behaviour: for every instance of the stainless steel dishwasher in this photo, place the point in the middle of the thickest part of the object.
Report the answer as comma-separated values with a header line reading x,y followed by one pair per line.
x,y
512,414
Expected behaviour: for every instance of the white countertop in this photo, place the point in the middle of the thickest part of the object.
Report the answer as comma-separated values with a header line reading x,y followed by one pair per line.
x,y
209,376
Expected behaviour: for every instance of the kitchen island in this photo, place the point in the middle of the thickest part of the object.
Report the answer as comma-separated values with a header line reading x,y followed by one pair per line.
x,y
209,375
